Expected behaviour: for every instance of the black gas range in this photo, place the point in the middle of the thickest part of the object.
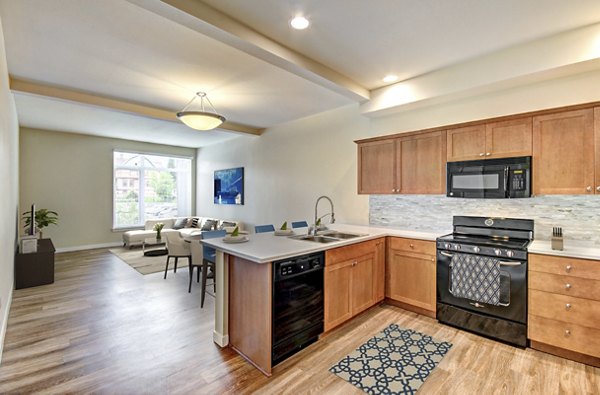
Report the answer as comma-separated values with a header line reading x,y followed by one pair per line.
x,y
482,277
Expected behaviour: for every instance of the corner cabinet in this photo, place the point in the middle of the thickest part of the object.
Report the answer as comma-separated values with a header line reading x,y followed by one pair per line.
x,y
415,164
353,280
410,274
563,153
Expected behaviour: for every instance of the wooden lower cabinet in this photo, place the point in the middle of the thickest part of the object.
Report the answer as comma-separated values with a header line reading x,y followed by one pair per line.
x,y
410,274
564,307
353,280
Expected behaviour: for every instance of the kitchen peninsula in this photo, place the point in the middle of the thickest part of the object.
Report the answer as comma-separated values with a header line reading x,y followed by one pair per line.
x,y
244,282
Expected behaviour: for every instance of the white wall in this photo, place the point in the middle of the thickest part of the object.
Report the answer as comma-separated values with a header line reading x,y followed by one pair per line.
x,y
9,151
288,168
72,174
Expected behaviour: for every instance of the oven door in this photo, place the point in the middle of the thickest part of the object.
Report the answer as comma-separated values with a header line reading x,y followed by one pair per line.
x,y
513,289
476,179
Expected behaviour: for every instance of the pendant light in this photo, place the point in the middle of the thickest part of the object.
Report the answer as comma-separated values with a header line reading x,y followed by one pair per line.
x,y
200,120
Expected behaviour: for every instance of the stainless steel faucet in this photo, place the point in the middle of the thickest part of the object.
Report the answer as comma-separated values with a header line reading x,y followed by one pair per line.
x,y
314,228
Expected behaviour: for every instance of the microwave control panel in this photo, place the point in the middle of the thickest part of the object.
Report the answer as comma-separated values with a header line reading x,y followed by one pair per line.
x,y
518,180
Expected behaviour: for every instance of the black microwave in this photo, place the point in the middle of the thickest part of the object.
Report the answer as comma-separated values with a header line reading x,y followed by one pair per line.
x,y
489,178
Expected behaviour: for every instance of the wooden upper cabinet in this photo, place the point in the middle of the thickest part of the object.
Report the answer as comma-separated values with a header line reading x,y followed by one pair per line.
x,y
466,143
377,167
510,138
422,166
502,139
563,153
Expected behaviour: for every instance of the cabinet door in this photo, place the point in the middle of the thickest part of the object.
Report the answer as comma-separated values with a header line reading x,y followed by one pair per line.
x,y
377,167
338,291
466,143
363,292
506,139
410,278
423,163
563,153
379,270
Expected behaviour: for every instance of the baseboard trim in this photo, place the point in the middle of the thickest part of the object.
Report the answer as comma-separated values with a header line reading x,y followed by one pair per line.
x,y
89,247
5,320
221,340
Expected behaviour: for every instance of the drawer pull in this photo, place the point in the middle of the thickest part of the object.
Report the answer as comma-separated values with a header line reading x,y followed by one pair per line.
x,y
412,245
568,286
567,333
568,268
568,306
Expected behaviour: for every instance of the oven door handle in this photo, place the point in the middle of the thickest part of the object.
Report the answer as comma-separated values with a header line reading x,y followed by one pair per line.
x,y
510,263
446,254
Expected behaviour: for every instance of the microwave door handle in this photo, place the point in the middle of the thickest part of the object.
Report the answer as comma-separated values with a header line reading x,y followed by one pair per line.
x,y
506,183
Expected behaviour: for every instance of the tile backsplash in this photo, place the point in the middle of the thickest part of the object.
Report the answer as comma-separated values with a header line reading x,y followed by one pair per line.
x,y
579,215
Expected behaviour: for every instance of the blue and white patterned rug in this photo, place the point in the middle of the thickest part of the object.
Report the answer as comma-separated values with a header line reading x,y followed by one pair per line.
x,y
395,361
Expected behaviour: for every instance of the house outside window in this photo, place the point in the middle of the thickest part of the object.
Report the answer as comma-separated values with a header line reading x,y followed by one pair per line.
x,y
149,186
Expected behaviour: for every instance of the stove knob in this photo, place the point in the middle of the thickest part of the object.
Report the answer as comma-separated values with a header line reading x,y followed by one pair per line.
x,y
476,249
447,246
510,254
497,251
457,247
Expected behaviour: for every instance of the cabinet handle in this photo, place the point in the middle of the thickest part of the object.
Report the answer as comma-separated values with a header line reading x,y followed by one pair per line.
x,y
589,188
354,263
488,153
432,259
481,154
412,245
568,306
568,268
568,286
598,188
567,332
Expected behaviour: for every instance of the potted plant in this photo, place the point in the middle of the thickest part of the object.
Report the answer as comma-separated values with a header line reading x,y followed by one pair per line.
x,y
158,228
43,218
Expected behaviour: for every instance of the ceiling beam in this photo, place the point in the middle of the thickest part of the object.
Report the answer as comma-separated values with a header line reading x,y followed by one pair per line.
x,y
62,93
205,19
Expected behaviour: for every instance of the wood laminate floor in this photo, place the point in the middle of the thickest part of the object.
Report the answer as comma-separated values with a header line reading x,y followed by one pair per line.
x,y
104,328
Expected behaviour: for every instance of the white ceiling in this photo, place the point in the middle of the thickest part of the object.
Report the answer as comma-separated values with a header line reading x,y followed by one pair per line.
x,y
148,52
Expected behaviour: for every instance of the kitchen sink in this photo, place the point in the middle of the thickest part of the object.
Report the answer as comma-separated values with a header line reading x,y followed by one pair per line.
x,y
340,235
318,239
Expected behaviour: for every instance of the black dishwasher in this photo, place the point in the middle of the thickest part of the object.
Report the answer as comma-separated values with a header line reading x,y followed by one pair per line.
x,y
297,304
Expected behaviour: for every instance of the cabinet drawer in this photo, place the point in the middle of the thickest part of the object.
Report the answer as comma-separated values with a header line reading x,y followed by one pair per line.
x,y
412,245
565,335
565,308
565,285
584,268
352,251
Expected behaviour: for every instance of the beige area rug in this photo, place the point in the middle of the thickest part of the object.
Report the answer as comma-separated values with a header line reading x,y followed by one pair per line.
x,y
146,264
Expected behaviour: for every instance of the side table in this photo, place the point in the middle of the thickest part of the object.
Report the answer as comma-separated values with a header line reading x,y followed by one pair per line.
x,y
35,268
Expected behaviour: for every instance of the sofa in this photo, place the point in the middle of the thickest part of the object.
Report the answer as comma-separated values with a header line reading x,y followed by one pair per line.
x,y
186,226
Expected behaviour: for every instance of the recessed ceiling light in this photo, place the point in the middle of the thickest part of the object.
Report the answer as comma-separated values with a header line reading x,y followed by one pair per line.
x,y
390,78
299,23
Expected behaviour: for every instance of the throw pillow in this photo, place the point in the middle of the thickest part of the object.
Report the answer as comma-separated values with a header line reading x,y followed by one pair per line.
x,y
195,221
209,224
180,223
227,224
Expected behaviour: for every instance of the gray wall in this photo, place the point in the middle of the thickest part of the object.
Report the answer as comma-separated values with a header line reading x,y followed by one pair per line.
x,y
9,160
72,174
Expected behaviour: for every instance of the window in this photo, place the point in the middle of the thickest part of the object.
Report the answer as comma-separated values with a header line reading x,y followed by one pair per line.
x,y
149,187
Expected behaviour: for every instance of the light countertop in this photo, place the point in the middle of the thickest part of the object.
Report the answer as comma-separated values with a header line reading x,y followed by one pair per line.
x,y
266,247
571,248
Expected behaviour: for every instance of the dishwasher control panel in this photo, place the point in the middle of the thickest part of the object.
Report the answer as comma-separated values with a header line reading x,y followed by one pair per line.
x,y
298,265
